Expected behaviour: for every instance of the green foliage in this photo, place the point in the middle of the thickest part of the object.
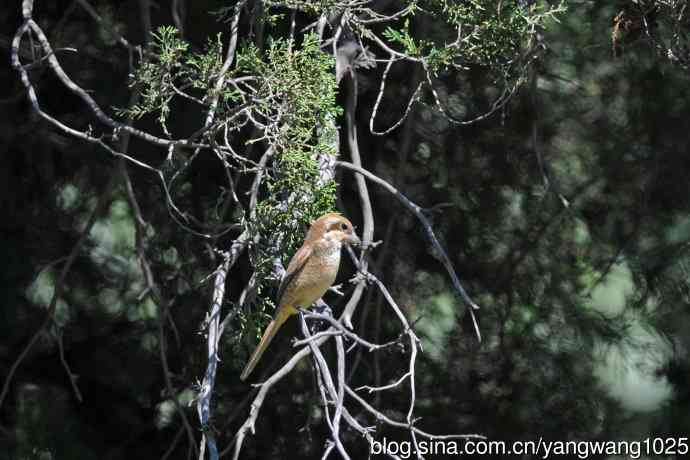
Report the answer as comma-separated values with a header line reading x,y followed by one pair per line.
x,y
295,97
493,34
170,68
567,220
253,322
297,89
402,37
203,68
315,7
292,96
156,77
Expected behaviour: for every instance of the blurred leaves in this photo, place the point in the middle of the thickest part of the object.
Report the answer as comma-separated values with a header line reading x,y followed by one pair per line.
x,y
568,222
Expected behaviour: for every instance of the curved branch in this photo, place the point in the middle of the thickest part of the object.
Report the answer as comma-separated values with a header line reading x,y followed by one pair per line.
x,y
418,212
248,424
367,213
498,104
410,103
154,291
380,416
30,24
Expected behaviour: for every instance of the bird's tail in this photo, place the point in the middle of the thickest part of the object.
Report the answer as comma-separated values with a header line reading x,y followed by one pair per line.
x,y
282,315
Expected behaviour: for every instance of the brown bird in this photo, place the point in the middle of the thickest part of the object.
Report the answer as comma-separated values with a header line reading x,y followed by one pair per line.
x,y
310,273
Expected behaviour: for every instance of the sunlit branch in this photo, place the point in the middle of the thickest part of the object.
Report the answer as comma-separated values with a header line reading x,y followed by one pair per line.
x,y
382,88
419,213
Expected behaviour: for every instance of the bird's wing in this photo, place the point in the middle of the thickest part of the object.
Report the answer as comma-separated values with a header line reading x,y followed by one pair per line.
x,y
299,260
297,263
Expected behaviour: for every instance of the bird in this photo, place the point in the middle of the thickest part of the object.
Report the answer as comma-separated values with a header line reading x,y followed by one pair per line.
x,y
311,271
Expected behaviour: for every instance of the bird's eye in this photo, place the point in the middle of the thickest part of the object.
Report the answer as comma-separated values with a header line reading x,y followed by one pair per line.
x,y
343,226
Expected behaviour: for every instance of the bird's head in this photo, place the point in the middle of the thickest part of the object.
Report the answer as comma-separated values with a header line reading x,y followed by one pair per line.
x,y
333,227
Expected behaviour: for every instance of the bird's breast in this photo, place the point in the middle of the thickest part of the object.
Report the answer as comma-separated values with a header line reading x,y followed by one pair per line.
x,y
317,276
329,257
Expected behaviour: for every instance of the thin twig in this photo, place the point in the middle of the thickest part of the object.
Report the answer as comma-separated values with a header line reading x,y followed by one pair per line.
x,y
214,330
382,88
327,379
382,417
418,212
248,425
154,292
72,378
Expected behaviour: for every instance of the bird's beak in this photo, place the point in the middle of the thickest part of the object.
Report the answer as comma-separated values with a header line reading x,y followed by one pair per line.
x,y
354,240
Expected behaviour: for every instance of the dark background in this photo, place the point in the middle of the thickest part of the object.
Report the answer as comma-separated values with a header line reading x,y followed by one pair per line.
x,y
583,282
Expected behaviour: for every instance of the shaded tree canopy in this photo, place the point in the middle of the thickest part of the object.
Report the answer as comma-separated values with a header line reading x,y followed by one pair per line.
x,y
517,170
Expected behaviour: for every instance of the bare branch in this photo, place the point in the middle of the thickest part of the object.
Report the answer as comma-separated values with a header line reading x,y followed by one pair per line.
x,y
380,416
384,387
341,330
30,24
248,425
72,377
365,201
156,296
418,212
327,378
229,59
213,337
498,104
382,88
152,288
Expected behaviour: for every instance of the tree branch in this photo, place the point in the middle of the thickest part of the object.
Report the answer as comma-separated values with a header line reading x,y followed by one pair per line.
x,y
418,212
